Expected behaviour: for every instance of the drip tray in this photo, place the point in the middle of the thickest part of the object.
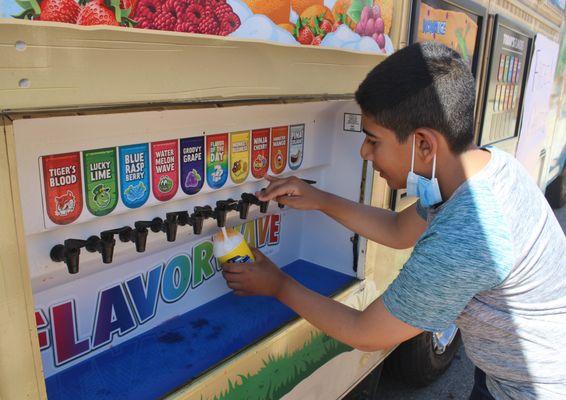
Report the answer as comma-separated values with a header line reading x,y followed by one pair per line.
x,y
163,359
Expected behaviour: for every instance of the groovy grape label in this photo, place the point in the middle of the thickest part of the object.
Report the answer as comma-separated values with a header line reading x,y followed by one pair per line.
x,y
164,169
63,187
279,142
134,174
216,160
296,145
192,164
101,180
239,156
260,153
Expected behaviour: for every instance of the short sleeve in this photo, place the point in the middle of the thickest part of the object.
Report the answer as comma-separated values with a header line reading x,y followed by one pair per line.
x,y
462,253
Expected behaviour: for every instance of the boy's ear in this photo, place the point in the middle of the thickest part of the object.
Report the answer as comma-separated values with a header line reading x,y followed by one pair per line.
x,y
426,144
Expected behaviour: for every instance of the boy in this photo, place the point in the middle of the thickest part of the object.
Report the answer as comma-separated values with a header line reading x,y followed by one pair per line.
x,y
488,252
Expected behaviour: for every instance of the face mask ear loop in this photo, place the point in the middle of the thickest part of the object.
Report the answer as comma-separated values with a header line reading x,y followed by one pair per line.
x,y
433,166
413,155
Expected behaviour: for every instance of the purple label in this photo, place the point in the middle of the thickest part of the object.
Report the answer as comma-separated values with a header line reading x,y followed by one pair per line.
x,y
192,164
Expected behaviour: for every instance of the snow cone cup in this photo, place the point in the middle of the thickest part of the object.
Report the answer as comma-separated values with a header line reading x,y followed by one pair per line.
x,y
233,249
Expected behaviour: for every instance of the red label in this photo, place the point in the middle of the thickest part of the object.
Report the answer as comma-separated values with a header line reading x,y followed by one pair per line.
x,y
165,169
63,187
279,141
260,153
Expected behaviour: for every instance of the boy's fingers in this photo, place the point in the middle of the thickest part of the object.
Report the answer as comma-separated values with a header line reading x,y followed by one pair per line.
x,y
271,178
290,201
233,268
258,255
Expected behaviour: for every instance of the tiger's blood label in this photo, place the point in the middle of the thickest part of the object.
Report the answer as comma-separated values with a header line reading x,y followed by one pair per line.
x,y
296,145
134,174
279,142
101,180
217,160
260,153
63,187
192,164
239,156
165,169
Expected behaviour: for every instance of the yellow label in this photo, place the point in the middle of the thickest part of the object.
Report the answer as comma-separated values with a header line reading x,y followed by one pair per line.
x,y
239,156
240,254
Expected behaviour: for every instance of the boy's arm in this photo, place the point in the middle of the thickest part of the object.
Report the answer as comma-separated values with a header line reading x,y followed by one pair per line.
x,y
369,330
397,230
389,228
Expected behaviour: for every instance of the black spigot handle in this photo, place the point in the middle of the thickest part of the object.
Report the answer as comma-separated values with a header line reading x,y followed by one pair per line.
x,y
280,205
182,217
169,226
140,239
244,208
263,206
104,245
68,252
137,235
197,221
251,198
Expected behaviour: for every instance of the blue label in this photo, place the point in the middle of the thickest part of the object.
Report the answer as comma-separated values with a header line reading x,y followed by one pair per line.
x,y
239,259
134,174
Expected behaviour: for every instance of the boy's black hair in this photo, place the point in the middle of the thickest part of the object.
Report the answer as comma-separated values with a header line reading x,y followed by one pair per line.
x,y
424,85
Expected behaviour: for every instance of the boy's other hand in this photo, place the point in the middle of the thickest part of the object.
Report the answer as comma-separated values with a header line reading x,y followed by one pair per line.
x,y
292,192
259,278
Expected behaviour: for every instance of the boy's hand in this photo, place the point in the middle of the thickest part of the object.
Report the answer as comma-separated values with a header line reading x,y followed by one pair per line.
x,y
260,278
292,192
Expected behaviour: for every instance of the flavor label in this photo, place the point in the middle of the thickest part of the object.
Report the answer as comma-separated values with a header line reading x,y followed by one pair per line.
x,y
63,187
511,67
217,160
134,174
279,149
192,164
239,156
260,153
296,145
164,169
101,180
515,69
501,68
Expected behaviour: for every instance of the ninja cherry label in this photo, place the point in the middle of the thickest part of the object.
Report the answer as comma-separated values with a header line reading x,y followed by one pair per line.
x,y
63,187
260,153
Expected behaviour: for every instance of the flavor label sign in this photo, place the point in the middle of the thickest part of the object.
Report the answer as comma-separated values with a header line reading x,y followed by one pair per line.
x,y
260,153
164,168
101,180
239,156
63,187
217,160
279,142
134,174
192,164
296,145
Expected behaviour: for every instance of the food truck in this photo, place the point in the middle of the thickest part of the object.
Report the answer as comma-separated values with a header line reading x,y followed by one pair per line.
x,y
133,130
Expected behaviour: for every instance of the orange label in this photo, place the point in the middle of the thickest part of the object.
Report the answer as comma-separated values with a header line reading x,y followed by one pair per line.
x,y
279,144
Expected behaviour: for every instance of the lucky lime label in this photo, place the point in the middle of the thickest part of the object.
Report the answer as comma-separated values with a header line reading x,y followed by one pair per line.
x,y
134,174
260,153
63,188
164,169
296,145
101,181
192,164
239,156
279,148
216,160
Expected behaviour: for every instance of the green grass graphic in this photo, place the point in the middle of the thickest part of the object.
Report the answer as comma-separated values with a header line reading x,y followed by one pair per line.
x,y
279,375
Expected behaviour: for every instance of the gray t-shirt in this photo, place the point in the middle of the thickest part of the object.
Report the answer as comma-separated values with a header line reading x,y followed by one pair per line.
x,y
493,260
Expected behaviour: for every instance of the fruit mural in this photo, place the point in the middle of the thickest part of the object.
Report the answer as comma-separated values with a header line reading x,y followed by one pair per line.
x,y
359,25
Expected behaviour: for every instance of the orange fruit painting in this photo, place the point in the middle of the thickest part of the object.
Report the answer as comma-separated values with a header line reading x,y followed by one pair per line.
x,y
276,10
301,5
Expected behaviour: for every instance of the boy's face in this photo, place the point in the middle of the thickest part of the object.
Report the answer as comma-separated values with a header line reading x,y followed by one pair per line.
x,y
389,157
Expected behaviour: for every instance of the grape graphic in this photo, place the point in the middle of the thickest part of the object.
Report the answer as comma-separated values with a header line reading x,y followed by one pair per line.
x,y
371,24
193,178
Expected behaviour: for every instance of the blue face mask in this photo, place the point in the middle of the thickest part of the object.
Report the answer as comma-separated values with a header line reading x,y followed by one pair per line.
x,y
427,190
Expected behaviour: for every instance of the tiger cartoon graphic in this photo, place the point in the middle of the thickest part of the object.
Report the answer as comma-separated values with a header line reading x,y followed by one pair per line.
x,y
65,204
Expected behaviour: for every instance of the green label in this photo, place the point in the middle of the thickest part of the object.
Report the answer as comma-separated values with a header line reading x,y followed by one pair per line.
x,y
101,181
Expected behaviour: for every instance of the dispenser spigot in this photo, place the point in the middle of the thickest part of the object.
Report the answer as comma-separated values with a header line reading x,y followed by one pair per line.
x,y
138,235
169,226
199,215
222,208
103,244
68,252
252,199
